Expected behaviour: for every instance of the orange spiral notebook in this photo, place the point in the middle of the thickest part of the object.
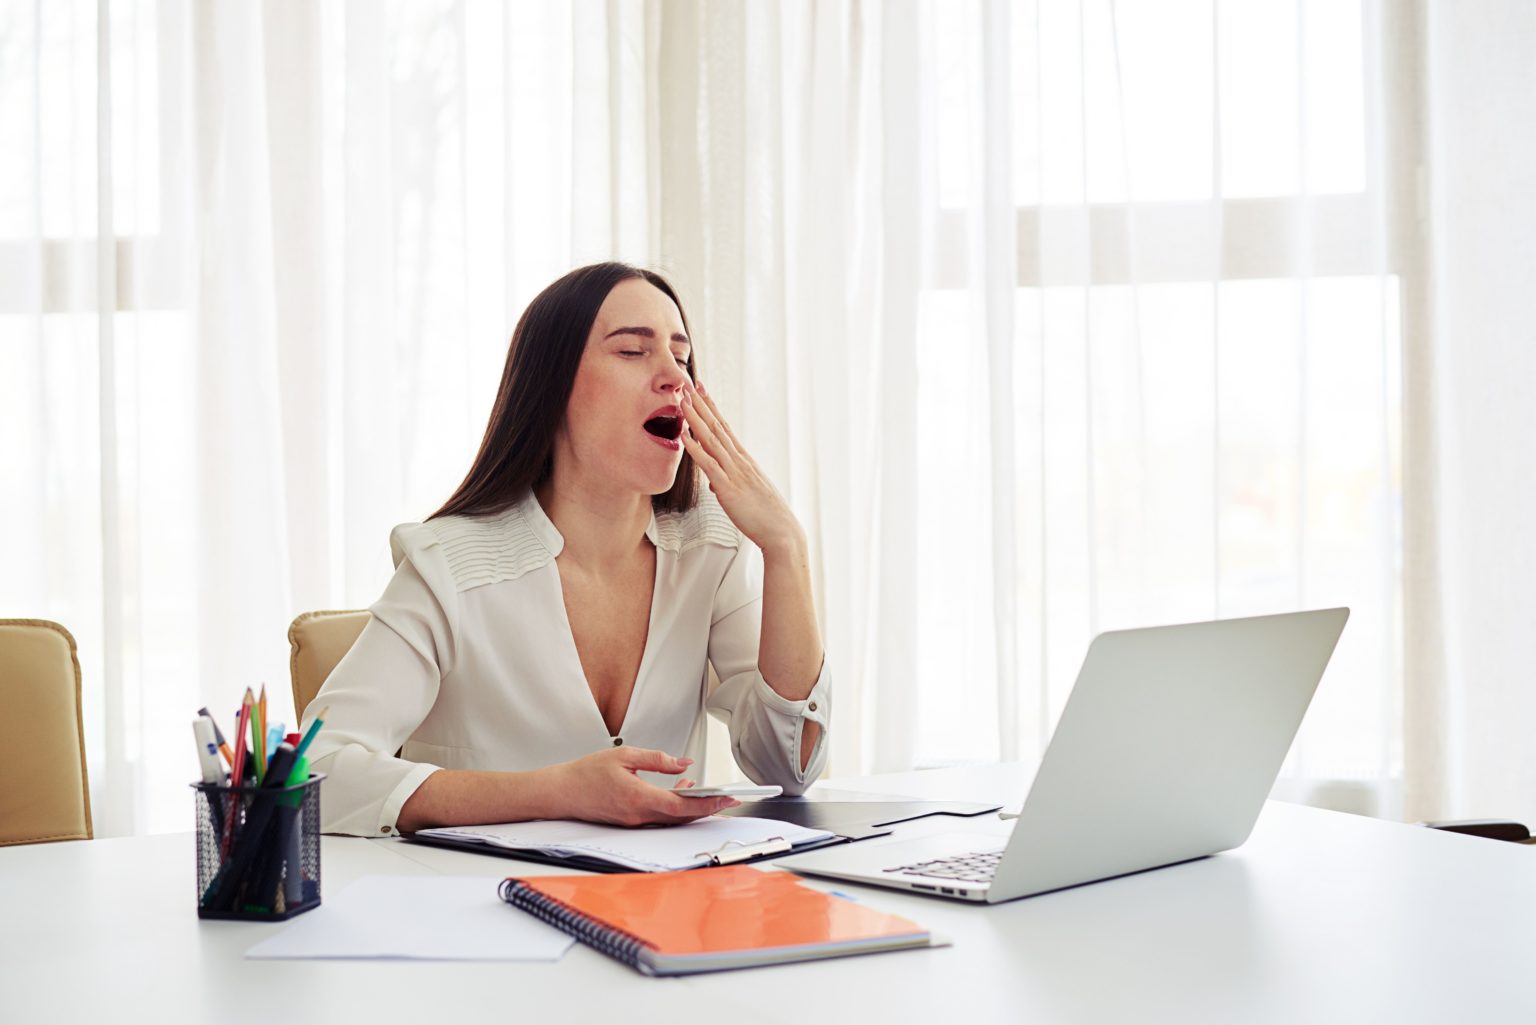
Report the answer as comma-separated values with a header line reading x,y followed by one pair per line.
x,y
708,920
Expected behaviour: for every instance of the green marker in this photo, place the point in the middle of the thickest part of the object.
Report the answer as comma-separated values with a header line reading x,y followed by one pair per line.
x,y
293,877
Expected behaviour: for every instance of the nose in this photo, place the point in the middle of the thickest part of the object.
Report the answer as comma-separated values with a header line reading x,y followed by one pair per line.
x,y
673,378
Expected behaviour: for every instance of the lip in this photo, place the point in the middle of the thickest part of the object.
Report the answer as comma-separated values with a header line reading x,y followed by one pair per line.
x,y
670,444
666,443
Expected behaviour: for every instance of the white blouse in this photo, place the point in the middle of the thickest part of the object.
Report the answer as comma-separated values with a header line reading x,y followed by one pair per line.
x,y
469,663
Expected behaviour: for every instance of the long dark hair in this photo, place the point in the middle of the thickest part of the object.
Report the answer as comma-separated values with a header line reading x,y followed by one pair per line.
x,y
517,453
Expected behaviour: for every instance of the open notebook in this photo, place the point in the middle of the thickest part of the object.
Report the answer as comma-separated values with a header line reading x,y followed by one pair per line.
x,y
678,923
713,840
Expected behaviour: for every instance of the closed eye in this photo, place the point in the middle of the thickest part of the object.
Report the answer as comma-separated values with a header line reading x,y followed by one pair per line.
x,y
681,361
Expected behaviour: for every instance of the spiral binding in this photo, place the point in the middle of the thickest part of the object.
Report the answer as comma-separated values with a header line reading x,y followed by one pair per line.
x,y
616,943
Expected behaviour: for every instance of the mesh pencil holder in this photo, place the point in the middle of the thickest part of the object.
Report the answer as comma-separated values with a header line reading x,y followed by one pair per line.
x,y
258,850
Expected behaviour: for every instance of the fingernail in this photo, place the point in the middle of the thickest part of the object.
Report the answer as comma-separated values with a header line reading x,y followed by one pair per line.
x,y
733,803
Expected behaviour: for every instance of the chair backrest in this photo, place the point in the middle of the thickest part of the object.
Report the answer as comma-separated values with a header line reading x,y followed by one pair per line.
x,y
46,795
318,641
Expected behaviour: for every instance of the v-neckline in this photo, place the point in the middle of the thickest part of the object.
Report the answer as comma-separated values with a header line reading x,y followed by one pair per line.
x,y
574,653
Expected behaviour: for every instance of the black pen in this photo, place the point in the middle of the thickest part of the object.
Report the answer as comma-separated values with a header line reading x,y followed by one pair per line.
x,y
283,850
253,836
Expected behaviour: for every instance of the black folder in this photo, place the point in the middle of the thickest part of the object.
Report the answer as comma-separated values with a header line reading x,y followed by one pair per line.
x,y
848,815
853,815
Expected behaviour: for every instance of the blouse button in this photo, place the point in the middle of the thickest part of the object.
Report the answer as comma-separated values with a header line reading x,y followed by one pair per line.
x,y
383,829
618,741
811,706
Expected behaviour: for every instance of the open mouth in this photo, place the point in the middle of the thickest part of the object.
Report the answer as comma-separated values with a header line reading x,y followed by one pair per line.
x,y
668,427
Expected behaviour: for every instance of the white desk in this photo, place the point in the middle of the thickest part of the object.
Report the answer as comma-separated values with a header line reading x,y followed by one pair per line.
x,y
1320,917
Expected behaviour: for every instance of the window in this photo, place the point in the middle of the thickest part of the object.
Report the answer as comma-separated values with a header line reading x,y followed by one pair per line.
x,y
1202,418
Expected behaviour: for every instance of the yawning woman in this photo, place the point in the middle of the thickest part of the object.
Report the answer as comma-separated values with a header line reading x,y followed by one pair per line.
x,y
542,651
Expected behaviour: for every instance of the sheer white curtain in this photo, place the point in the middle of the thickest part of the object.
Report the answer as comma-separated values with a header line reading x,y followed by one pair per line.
x,y
1049,318
1061,317
326,219
1473,702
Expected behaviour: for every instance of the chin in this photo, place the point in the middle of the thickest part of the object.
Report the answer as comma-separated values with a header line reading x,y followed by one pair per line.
x,y
651,484
661,487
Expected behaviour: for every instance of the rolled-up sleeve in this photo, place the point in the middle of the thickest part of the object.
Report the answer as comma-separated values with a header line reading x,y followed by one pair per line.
x,y
376,697
765,727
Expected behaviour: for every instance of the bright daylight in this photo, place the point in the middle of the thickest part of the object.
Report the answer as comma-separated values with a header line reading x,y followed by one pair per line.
x,y
1021,503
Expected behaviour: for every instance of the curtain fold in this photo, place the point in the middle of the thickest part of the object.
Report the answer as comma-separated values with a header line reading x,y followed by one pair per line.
x,y
1469,722
1047,317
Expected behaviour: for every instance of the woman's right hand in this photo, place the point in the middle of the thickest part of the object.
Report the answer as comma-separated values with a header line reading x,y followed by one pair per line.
x,y
603,787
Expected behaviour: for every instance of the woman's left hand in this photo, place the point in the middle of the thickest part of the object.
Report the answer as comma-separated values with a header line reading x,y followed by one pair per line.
x,y
745,492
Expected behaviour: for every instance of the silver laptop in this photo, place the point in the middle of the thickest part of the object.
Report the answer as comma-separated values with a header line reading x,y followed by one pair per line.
x,y
1168,746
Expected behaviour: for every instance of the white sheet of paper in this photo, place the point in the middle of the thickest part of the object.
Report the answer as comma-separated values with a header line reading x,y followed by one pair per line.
x,y
436,918
655,849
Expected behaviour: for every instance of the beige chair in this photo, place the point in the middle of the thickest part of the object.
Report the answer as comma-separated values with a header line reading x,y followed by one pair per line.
x,y
46,794
318,640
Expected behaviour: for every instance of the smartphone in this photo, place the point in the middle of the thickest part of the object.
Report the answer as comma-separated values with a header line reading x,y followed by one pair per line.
x,y
740,791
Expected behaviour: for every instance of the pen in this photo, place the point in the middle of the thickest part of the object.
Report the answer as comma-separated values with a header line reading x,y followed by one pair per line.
x,y
212,769
293,875
242,877
314,728
274,738
218,735
258,858
207,750
733,851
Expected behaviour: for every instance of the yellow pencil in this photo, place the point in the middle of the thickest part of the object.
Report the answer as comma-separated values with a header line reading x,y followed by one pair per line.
x,y
259,735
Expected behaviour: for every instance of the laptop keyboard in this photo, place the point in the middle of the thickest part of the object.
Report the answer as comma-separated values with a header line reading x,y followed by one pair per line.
x,y
969,868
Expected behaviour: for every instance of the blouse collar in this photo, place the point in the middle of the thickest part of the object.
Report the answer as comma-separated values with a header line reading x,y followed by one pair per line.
x,y
545,530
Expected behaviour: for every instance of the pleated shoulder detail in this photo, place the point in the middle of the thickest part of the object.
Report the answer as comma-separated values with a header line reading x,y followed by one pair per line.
x,y
705,524
484,550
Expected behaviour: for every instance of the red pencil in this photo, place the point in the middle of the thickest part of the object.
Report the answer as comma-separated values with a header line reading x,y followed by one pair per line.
x,y
235,777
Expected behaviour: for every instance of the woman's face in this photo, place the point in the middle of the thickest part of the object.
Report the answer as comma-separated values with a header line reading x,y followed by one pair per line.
x,y
622,424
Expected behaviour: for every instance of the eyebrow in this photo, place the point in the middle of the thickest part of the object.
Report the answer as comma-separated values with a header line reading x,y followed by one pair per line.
x,y
645,332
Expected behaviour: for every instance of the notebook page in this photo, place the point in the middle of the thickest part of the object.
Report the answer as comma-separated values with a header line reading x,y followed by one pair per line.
x,y
451,918
647,849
